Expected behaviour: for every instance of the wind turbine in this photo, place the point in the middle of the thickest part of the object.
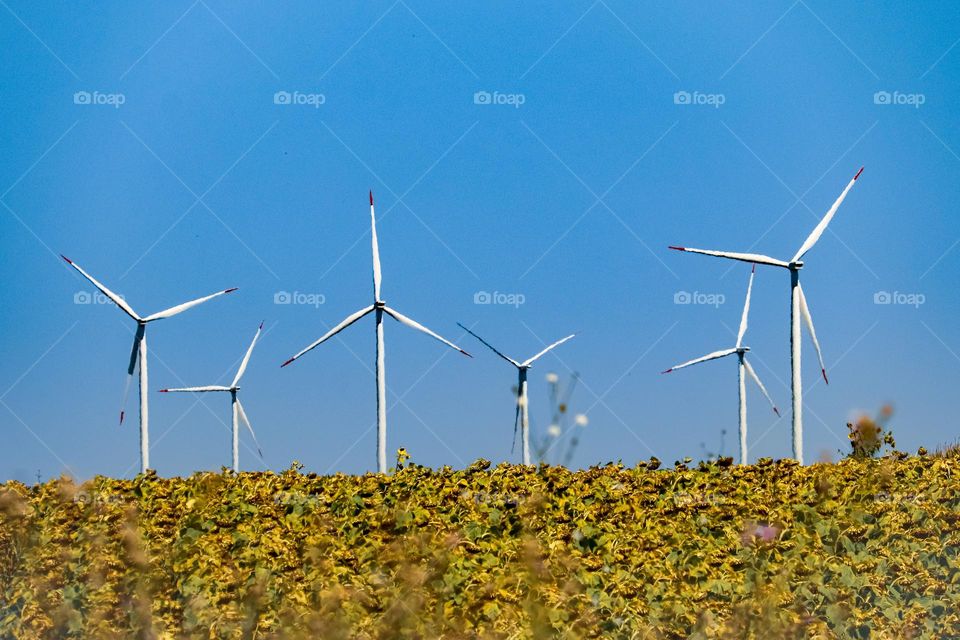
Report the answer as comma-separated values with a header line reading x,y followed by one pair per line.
x,y
798,309
238,412
139,352
742,365
381,308
521,412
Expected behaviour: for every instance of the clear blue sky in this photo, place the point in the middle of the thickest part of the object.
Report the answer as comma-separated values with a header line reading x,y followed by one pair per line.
x,y
198,181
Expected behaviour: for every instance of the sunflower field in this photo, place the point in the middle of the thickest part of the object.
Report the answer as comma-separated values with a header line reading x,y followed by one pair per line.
x,y
855,549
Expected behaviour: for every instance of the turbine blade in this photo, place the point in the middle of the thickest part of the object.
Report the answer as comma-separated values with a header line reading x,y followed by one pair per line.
x,y
746,309
246,358
376,251
755,258
822,226
709,356
808,321
180,308
349,320
243,418
528,362
413,324
195,389
120,302
756,378
134,355
490,346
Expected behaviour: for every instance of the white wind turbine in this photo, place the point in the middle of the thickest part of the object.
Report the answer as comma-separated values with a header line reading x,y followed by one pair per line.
x,y
742,365
380,307
238,413
798,308
522,412
139,352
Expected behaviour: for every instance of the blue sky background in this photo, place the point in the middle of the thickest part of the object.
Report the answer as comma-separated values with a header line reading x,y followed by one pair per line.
x,y
199,181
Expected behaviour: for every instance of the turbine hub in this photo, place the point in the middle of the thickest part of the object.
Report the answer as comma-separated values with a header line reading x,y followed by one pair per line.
x,y
379,304
796,266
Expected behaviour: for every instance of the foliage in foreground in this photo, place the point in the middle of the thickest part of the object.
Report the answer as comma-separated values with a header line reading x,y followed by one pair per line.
x,y
772,550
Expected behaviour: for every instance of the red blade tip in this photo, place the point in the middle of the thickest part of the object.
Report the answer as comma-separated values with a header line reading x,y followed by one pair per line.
x,y
231,290
287,362
754,269
261,327
858,173
677,248
667,371
69,261
163,391
824,372
121,417
371,198
776,411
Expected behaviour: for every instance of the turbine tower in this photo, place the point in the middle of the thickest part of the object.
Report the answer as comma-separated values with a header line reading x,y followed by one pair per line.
x,y
139,354
238,413
380,308
742,366
798,309
522,412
